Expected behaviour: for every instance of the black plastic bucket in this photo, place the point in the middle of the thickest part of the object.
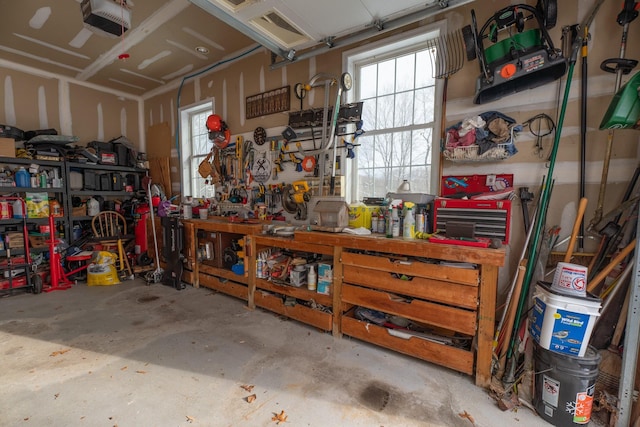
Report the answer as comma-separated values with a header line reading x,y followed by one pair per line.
x,y
564,386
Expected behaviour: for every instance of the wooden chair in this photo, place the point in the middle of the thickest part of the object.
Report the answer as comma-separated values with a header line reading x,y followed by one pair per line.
x,y
110,230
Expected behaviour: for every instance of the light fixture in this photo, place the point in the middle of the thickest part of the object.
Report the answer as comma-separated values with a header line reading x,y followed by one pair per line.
x,y
202,49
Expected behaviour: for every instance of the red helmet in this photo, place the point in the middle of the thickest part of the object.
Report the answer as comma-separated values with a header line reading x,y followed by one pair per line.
x,y
214,123
218,131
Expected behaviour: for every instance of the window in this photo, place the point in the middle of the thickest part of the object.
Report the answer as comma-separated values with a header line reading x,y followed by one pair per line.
x,y
394,80
195,146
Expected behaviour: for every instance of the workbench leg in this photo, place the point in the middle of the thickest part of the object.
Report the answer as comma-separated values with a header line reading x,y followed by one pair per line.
x,y
196,263
486,323
250,262
337,292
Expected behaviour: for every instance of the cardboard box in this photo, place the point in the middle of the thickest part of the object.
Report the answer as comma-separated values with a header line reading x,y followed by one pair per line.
x,y
325,272
15,240
7,147
324,286
360,215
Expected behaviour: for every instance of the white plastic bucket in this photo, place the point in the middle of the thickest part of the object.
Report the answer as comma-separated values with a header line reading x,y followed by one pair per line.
x,y
562,323
570,279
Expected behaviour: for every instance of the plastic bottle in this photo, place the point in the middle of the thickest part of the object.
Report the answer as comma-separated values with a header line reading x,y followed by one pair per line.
x,y
389,224
18,209
23,178
409,226
395,222
420,222
312,279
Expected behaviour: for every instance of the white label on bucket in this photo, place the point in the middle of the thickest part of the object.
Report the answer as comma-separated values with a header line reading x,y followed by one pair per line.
x,y
550,391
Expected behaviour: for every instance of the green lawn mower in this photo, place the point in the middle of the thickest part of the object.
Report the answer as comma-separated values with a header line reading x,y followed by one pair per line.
x,y
525,59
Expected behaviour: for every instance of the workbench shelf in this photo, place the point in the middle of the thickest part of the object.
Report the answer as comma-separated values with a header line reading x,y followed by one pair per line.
x,y
282,296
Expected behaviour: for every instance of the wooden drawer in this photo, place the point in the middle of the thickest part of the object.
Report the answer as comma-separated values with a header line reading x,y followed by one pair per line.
x,y
273,302
429,289
455,358
225,286
223,273
447,317
445,273
300,293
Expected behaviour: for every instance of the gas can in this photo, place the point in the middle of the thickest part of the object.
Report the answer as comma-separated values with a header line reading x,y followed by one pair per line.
x,y
5,210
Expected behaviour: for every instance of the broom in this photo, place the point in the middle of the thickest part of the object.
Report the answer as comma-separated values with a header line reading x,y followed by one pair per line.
x,y
611,361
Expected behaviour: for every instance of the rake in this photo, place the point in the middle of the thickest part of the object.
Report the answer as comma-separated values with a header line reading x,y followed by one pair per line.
x,y
447,58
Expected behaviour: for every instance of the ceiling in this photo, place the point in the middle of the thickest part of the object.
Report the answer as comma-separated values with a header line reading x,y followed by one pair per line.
x,y
163,36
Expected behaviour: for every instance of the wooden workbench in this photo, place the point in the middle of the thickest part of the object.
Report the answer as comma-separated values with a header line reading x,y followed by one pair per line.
x,y
413,279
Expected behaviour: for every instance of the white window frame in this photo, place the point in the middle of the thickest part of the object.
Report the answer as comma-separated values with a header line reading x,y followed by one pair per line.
x,y
391,46
186,154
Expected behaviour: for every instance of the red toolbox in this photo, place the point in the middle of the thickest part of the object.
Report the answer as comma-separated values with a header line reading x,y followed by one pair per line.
x,y
491,218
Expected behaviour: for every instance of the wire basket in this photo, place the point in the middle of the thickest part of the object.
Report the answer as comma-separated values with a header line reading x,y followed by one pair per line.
x,y
471,153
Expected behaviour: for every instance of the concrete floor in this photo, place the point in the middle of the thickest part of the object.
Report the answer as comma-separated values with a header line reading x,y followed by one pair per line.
x,y
137,355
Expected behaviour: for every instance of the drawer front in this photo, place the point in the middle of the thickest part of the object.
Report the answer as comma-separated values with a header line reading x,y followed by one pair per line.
x,y
271,302
451,318
300,293
429,289
445,273
227,287
444,355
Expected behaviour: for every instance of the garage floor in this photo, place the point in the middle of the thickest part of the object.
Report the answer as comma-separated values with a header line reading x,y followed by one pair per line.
x,y
137,355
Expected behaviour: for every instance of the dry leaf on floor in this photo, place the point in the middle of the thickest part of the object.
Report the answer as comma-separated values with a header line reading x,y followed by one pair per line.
x,y
124,368
55,396
468,416
141,372
279,418
190,419
248,388
59,352
251,398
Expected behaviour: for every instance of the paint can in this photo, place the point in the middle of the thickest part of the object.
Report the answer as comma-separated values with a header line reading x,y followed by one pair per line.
x,y
570,279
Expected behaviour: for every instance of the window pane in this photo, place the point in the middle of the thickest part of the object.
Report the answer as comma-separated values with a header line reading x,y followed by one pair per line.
x,y
384,112
369,114
405,68
366,152
386,77
367,80
366,181
424,70
421,147
403,109
424,103
384,150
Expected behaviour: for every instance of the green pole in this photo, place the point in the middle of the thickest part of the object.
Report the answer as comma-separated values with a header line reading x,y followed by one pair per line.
x,y
545,192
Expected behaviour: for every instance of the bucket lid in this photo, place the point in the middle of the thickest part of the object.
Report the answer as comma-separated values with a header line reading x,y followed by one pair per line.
x,y
587,298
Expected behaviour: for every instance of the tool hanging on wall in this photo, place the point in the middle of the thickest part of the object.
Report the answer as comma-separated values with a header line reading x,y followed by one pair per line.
x,y
523,60
447,58
544,126
619,66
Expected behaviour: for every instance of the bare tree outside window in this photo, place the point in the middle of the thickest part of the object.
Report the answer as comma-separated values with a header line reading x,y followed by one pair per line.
x,y
398,92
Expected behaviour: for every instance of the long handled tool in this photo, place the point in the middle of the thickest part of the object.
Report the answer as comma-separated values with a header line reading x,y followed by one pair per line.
x,y
154,276
447,58
619,66
576,229
545,196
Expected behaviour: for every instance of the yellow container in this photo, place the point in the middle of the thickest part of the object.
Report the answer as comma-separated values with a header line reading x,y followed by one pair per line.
x,y
360,215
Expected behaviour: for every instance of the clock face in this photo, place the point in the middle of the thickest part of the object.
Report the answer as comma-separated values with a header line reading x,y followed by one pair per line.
x,y
301,92
346,81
